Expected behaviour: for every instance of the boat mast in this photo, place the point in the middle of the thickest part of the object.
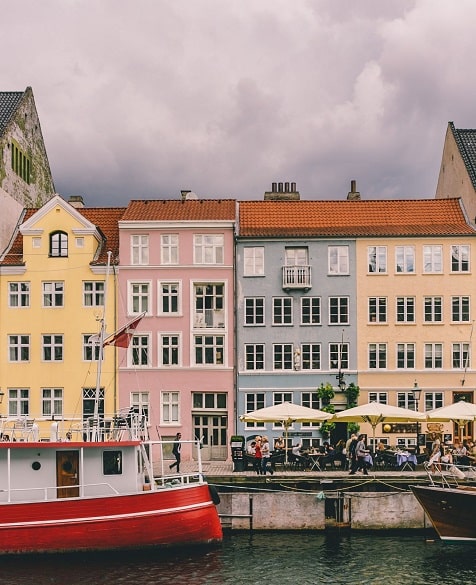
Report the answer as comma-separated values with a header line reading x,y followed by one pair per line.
x,y
102,334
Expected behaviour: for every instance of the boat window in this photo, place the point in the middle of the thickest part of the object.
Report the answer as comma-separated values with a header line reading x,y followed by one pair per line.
x,y
112,462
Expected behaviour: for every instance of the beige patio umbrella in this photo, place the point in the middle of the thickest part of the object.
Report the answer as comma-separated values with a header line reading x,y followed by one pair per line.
x,y
375,413
460,412
286,413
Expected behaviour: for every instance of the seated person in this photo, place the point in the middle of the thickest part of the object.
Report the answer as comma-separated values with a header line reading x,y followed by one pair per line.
x,y
279,444
251,450
460,453
447,457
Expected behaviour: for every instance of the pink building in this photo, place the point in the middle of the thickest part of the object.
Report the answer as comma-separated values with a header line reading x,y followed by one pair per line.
x,y
177,267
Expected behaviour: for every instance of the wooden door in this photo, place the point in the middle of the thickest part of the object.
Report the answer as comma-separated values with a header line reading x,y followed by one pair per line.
x,y
67,474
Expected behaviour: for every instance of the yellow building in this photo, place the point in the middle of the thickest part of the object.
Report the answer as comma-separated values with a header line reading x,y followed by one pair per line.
x,y
52,290
415,299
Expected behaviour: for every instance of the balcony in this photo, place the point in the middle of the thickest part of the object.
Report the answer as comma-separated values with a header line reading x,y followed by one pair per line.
x,y
297,277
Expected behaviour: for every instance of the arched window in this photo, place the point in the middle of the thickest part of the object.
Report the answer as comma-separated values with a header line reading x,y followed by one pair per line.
x,y
58,244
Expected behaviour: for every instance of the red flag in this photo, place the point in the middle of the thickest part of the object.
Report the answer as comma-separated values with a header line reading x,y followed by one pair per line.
x,y
123,336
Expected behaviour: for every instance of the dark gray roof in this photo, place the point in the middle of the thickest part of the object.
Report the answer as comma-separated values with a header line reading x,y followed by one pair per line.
x,y
466,141
9,102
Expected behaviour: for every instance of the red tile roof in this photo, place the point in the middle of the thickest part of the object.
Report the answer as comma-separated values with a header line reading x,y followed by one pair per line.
x,y
422,217
104,218
178,210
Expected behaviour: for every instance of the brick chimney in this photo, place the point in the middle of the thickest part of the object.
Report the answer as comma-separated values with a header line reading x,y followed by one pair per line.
x,y
76,201
282,192
353,195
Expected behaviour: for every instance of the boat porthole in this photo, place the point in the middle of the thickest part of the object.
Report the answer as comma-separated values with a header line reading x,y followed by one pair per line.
x,y
36,465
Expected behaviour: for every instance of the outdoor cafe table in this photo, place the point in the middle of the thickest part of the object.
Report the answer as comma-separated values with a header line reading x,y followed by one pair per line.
x,y
406,460
313,458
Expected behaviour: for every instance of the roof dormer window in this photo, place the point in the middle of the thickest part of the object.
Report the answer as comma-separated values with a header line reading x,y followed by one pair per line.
x,y
58,244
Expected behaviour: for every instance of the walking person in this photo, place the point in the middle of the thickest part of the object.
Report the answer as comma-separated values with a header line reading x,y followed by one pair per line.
x,y
265,456
361,451
352,454
258,456
177,447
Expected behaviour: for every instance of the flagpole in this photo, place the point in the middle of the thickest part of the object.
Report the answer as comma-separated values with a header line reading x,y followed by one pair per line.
x,y
102,333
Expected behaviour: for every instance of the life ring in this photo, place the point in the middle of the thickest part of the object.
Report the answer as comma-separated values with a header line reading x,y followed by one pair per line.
x,y
214,494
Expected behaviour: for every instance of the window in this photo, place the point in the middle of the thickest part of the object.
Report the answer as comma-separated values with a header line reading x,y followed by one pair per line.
x,y
170,408
405,259
311,356
93,293
459,258
338,260
460,309
282,311
52,402
209,400
79,242
112,462
253,261
139,297
338,310
208,248
432,259
254,311
140,350
209,350
380,397
140,404
19,348
433,355
310,400
209,305
406,400
310,311
254,356
405,355
254,402
377,259
169,298
433,309
140,249
296,271
169,248
433,400
53,294
58,245
283,356
405,309
21,162
339,356
91,348
170,350
52,348
18,294
280,397
460,356
18,402
377,309
377,356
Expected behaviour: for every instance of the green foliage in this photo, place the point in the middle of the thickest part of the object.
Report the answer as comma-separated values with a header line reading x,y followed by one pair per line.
x,y
326,393
352,393
326,426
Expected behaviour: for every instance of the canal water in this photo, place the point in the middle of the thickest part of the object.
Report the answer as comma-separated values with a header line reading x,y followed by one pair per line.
x,y
261,559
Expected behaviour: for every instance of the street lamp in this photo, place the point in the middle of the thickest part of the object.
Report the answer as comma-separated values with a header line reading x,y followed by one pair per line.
x,y
416,397
341,381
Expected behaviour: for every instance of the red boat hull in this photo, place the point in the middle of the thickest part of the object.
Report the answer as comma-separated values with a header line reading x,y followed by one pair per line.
x,y
452,511
175,516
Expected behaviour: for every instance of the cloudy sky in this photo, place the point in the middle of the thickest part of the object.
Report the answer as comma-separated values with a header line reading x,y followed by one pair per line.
x,y
143,98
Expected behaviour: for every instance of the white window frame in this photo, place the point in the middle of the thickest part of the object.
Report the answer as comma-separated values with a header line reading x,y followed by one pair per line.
x,y
173,342
377,353
433,259
254,311
216,350
286,361
405,259
433,309
253,261
254,401
170,295
339,356
140,343
311,400
139,297
377,259
432,400
407,303
282,311
18,402
52,343
254,354
461,308
52,294
19,349
311,357
380,397
170,407
94,297
433,356
338,260
52,405
406,400
377,307
140,403
339,307
311,315
19,295
408,352
460,356
139,249
208,249
169,249
460,258
91,347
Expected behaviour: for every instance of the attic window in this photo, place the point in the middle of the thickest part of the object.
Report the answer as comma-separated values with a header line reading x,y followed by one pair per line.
x,y
21,163
80,242
36,242
58,244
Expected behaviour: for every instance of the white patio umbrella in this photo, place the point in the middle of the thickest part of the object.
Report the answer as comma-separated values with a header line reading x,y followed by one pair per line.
x,y
460,412
286,413
375,413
